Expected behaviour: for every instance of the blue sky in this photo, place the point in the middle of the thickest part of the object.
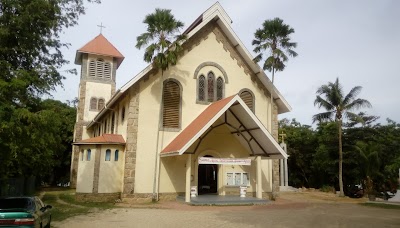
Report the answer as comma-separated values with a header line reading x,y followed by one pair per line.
x,y
357,41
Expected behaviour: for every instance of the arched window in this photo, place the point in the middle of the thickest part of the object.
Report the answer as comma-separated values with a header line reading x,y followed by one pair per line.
x,y
220,88
202,88
100,104
210,87
116,154
93,103
88,154
112,123
105,126
171,104
82,153
248,98
108,155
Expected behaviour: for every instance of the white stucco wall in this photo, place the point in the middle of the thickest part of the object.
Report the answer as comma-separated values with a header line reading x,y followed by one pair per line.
x,y
111,172
85,170
208,50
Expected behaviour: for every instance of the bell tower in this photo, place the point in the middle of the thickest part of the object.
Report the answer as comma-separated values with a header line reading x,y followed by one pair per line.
x,y
99,61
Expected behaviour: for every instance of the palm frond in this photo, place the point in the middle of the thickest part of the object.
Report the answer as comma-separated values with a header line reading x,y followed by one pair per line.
x,y
323,117
357,104
320,102
354,92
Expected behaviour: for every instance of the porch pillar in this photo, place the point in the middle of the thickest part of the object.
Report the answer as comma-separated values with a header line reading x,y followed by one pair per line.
x,y
286,173
188,174
259,184
282,172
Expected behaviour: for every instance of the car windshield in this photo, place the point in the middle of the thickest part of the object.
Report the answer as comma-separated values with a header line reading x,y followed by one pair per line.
x,y
11,203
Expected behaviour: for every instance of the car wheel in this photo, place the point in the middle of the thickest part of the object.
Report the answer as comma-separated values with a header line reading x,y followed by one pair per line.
x,y
48,224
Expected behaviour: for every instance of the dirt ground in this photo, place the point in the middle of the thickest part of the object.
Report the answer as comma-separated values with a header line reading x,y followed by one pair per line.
x,y
291,209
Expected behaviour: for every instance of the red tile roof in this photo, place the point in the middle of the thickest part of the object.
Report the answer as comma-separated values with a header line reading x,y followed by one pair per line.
x,y
193,128
101,46
104,139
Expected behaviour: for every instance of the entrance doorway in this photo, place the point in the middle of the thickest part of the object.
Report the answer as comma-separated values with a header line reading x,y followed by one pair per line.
x,y
207,178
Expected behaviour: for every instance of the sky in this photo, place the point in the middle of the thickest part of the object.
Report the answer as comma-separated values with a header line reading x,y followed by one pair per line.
x,y
357,41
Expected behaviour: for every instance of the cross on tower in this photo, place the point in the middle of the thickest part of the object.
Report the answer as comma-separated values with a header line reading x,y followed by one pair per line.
x,y
283,137
101,27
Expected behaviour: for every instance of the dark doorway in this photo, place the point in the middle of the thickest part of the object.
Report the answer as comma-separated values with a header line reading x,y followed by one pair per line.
x,y
208,179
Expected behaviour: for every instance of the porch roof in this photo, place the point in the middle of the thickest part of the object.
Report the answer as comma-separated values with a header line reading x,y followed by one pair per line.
x,y
241,122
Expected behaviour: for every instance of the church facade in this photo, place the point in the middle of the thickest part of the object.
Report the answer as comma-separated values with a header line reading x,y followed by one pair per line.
x,y
204,125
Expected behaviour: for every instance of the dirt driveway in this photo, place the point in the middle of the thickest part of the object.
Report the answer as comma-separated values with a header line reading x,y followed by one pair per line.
x,y
290,210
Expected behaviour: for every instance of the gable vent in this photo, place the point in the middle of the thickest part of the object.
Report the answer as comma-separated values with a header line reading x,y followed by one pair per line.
x,y
247,97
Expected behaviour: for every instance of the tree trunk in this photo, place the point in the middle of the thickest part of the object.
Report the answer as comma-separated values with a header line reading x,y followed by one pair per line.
x,y
341,194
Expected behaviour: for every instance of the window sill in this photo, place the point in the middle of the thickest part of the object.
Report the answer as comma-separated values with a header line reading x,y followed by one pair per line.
x,y
170,129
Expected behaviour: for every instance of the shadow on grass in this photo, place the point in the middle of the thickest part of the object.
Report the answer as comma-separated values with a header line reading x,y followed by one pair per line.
x,y
65,205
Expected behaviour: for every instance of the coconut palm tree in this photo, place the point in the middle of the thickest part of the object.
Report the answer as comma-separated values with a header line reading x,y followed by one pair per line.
x,y
338,106
162,39
163,47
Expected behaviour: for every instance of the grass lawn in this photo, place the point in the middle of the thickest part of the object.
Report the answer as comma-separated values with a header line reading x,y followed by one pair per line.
x,y
65,205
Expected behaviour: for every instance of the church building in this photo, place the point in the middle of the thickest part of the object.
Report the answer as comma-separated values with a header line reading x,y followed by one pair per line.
x,y
205,125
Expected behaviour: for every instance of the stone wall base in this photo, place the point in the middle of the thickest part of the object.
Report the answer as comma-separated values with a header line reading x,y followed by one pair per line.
x,y
97,197
147,197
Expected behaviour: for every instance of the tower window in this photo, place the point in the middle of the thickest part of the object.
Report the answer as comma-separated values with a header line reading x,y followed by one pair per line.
x,y
99,69
88,155
116,155
171,104
100,104
93,103
108,155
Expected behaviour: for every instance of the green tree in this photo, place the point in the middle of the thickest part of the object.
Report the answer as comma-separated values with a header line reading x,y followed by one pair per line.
x,y
370,163
30,62
273,40
164,45
337,106
162,38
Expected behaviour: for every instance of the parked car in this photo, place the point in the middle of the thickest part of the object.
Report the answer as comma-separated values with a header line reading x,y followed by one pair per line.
x,y
24,212
354,191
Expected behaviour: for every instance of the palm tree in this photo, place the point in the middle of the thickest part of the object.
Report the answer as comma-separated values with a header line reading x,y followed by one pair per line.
x,y
369,164
162,38
338,106
273,40
164,45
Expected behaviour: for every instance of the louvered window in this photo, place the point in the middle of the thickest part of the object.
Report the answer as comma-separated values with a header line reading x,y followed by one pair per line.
x,y
107,70
248,98
202,88
92,68
93,103
99,68
220,88
100,104
122,114
171,105
210,86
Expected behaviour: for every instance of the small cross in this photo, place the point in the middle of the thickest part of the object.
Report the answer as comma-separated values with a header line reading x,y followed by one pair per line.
x,y
101,27
283,137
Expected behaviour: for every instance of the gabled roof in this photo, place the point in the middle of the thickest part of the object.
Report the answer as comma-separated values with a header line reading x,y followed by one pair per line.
x,y
99,46
218,14
241,122
103,139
